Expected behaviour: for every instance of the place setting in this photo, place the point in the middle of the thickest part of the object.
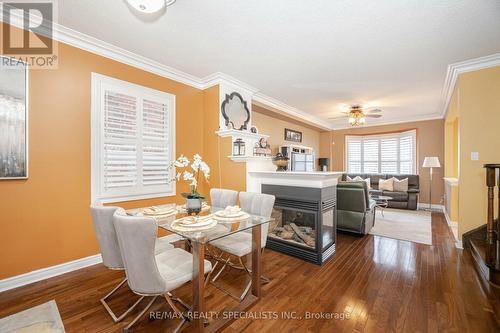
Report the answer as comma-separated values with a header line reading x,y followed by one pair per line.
x,y
194,223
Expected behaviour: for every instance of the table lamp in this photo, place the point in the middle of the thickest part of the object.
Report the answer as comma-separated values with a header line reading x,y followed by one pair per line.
x,y
431,162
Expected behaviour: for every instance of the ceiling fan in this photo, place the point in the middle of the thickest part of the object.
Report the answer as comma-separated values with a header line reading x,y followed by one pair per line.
x,y
357,116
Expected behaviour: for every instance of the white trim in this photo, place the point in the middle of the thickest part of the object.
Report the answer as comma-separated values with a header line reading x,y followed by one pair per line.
x,y
220,78
96,196
240,134
451,181
424,206
249,158
459,245
449,221
48,272
85,42
455,69
267,101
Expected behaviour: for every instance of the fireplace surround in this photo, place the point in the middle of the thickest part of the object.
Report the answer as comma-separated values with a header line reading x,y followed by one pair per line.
x,y
304,223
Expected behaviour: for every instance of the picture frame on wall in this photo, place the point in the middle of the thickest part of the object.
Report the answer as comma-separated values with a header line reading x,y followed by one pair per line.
x,y
13,120
292,135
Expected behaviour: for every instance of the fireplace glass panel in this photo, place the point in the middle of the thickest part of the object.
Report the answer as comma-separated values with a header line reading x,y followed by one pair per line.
x,y
294,226
328,231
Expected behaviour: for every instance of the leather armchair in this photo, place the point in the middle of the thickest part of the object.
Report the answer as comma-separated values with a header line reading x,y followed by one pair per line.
x,y
355,209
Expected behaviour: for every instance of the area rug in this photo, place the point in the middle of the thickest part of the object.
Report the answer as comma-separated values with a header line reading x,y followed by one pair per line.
x,y
43,318
409,225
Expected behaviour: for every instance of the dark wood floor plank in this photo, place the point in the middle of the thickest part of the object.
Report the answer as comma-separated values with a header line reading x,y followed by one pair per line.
x,y
384,285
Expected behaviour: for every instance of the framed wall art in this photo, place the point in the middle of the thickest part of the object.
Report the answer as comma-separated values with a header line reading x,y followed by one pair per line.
x,y
13,120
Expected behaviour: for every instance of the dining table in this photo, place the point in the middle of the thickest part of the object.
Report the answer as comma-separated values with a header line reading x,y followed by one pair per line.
x,y
198,239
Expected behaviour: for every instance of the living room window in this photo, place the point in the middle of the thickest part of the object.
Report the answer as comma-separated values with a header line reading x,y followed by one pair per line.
x,y
133,141
382,153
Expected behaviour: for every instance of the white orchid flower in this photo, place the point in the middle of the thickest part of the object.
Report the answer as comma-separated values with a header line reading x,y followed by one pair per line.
x,y
182,161
196,165
205,169
187,175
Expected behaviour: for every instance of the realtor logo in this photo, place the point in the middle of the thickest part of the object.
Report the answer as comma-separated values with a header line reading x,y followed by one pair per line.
x,y
28,33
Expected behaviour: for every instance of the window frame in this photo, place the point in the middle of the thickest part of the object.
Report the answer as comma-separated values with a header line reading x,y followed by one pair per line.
x,y
380,136
97,140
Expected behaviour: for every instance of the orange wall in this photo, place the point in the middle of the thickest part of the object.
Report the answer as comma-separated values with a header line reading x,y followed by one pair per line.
x,y
430,142
274,125
45,219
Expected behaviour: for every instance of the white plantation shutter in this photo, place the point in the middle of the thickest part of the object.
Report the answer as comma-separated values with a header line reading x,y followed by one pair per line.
x,y
388,153
119,163
156,155
354,154
133,141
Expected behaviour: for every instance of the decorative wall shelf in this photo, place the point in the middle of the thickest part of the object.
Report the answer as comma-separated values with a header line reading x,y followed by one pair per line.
x,y
249,158
240,134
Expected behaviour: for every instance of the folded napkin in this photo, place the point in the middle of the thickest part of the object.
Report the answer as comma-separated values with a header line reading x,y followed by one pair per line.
x,y
230,210
203,218
156,210
194,219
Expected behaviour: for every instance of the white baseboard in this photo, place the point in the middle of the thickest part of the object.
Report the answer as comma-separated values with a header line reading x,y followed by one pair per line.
x,y
450,223
48,272
453,225
423,205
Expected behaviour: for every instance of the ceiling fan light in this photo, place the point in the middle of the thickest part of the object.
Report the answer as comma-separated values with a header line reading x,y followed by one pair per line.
x,y
149,6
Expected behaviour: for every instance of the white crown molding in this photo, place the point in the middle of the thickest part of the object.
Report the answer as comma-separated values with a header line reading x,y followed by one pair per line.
x,y
99,47
455,69
221,78
264,100
392,121
48,272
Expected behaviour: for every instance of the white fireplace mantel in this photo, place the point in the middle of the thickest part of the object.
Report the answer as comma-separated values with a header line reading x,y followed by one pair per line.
x,y
316,179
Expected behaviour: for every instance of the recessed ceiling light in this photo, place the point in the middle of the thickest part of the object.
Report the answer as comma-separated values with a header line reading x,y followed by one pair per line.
x,y
150,6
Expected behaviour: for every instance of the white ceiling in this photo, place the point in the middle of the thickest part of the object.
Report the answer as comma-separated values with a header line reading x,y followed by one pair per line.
x,y
317,56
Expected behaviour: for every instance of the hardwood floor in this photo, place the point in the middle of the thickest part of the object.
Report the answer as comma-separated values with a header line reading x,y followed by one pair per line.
x,y
373,284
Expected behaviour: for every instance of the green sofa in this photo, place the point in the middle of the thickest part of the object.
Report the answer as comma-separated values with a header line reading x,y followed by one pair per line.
x,y
355,209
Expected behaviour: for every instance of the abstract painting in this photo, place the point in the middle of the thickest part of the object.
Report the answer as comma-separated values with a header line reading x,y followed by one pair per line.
x,y
13,121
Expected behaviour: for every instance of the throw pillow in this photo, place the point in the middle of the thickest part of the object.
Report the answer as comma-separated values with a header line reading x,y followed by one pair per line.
x,y
400,185
367,180
349,179
386,185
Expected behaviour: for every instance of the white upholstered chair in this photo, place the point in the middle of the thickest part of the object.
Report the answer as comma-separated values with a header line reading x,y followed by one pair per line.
x,y
221,198
240,244
150,274
102,217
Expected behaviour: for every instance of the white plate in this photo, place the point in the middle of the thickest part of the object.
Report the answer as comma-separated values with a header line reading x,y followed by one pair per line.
x,y
197,224
222,213
160,212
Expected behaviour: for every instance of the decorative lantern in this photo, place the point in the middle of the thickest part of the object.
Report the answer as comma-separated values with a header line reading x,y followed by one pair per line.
x,y
239,147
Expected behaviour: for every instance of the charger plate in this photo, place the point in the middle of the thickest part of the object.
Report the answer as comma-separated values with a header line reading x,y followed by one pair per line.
x,y
177,225
235,219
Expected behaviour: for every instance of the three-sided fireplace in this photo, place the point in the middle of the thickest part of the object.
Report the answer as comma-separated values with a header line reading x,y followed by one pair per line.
x,y
304,223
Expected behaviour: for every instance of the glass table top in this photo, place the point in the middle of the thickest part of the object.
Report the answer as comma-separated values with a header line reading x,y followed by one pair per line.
x,y
210,231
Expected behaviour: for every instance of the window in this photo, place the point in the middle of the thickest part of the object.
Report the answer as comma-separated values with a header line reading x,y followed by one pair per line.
x,y
387,153
133,141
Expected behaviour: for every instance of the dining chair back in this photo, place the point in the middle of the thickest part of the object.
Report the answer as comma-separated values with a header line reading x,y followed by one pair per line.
x,y
258,204
136,237
221,198
102,217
